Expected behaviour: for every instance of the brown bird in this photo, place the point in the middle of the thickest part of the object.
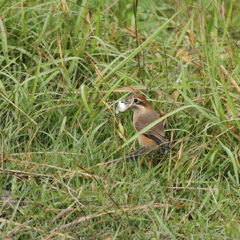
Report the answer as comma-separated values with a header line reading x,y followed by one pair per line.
x,y
143,114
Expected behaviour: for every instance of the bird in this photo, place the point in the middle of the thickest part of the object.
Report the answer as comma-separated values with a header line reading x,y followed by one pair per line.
x,y
153,139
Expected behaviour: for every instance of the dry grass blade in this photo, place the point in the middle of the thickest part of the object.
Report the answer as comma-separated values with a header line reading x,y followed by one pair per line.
x,y
226,73
130,89
127,210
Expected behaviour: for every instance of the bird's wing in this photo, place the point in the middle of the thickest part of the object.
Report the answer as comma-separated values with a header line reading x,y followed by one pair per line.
x,y
155,133
159,139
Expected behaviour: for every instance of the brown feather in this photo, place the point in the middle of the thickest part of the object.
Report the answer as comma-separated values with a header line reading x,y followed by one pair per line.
x,y
143,116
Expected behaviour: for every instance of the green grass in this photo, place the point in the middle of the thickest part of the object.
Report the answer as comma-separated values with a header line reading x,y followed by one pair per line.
x,y
60,63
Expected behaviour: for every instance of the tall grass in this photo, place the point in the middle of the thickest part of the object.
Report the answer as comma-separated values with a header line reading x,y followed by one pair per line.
x,y
61,62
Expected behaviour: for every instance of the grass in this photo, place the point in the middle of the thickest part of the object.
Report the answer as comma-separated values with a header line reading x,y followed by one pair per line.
x,y
61,62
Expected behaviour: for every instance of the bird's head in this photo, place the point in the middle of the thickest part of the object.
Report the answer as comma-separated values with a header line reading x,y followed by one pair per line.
x,y
138,103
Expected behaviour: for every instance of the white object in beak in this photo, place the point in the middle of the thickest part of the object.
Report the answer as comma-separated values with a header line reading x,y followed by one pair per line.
x,y
121,107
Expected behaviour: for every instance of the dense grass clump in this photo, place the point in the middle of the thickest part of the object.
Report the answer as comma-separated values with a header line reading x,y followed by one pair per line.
x,y
63,68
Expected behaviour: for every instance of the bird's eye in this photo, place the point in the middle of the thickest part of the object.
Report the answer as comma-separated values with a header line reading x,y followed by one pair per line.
x,y
136,100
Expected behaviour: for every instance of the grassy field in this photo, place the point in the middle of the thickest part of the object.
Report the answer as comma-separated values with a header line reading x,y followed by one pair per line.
x,y
61,63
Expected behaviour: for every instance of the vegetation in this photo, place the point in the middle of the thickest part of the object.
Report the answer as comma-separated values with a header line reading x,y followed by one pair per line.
x,y
61,63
